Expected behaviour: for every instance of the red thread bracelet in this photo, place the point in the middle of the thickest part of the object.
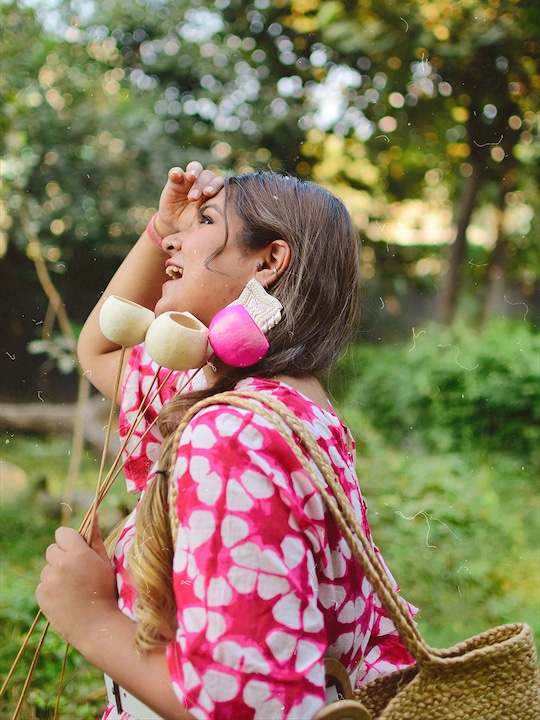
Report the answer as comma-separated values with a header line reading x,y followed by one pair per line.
x,y
152,232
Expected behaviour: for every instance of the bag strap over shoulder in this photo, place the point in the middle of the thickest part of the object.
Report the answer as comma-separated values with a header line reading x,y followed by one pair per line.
x,y
334,498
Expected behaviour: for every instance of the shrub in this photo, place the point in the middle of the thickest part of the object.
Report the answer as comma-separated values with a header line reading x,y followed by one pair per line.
x,y
459,537
451,388
446,424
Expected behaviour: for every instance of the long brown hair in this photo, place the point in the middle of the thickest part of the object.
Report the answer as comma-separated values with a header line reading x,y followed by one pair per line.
x,y
319,292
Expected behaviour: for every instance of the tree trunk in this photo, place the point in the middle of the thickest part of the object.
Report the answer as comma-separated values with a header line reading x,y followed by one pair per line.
x,y
48,419
452,282
495,277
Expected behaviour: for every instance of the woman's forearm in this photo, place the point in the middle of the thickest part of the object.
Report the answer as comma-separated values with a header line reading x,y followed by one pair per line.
x,y
111,647
139,278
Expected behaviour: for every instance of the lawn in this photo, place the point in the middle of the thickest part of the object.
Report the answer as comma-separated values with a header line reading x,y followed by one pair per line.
x,y
28,519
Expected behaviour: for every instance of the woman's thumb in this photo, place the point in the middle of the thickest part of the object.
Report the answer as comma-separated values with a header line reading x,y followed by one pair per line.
x,y
96,541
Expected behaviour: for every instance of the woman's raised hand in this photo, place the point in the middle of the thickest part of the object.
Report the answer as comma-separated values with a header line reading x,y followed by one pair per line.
x,y
183,188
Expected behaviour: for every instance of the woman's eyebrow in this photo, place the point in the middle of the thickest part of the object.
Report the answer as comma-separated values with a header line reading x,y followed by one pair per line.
x,y
212,206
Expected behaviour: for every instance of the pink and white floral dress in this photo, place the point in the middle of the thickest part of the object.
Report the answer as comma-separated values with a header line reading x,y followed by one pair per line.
x,y
265,584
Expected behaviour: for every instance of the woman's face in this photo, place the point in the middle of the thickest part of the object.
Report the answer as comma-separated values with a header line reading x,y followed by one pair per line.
x,y
196,286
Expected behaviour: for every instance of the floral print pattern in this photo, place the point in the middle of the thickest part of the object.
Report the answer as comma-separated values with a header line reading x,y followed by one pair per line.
x,y
264,582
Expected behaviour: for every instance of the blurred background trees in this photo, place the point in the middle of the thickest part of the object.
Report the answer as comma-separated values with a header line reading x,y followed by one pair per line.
x,y
420,115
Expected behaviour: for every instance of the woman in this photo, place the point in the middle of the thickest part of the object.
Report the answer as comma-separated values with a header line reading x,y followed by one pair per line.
x,y
235,620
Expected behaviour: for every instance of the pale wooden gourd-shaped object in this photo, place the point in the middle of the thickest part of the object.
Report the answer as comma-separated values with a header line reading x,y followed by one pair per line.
x,y
178,341
124,322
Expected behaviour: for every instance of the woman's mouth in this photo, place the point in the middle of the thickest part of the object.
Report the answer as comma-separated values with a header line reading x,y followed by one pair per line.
x,y
174,272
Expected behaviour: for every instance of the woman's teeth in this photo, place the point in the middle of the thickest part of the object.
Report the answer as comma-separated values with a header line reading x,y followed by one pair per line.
x,y
174,272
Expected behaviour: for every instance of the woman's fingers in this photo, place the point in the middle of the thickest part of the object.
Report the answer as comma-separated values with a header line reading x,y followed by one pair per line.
x,y
204,182
51,553
96,541
182,190
213,185
68,538
193,170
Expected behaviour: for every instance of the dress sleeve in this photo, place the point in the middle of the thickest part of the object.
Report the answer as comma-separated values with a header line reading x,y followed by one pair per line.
x,y
251,637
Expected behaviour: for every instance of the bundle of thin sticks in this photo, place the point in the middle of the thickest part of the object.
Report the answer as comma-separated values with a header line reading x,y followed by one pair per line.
x,y
104,484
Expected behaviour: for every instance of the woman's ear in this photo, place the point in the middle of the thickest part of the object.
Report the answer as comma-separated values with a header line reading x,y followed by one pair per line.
x,y
273,263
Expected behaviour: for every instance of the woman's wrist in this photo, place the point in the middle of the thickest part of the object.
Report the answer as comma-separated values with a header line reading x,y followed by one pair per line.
x,y
152,232
104,635
157,230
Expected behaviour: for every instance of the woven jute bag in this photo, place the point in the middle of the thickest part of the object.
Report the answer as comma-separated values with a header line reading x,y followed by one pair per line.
x,y
491,676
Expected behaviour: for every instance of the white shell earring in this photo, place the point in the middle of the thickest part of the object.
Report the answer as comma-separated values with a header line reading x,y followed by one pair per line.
x,y
264,308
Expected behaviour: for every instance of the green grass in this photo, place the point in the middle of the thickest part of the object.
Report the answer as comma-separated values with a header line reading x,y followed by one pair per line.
x,y
27,524
448,431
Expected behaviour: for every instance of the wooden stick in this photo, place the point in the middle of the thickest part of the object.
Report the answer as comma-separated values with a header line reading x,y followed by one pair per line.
x,y
94,505
103,487
30,674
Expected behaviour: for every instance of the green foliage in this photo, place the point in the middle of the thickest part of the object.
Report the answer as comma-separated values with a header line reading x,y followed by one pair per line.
x,y
457,530
453,388
27,525
457,521
447,443
23,538
382,102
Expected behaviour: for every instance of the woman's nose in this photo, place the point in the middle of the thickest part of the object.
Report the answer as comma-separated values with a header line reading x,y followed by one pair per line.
x,y
172,242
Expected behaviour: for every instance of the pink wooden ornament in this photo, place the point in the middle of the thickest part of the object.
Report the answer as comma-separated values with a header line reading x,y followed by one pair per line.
x,y
236,338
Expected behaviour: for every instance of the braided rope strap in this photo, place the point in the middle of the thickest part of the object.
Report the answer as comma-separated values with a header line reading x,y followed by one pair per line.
x,y
336,501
